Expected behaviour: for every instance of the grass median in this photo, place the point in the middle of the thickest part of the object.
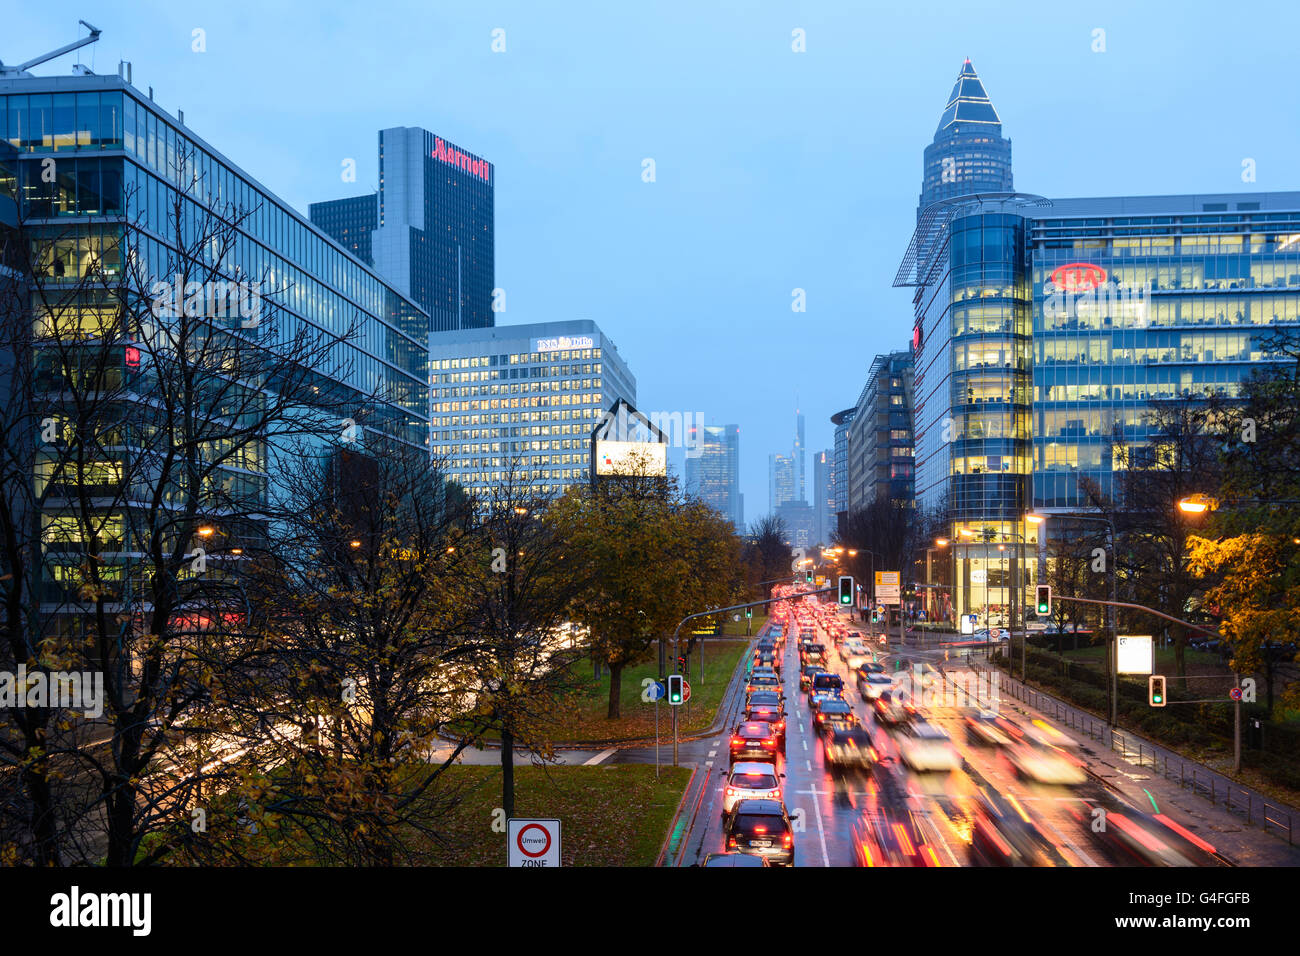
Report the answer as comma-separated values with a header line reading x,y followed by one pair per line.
x,y
581,716
615,815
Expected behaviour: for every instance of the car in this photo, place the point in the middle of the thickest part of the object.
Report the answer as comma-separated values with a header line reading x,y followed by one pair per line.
x,y
767,660
807,673
855,661
734,859
754,740
832,714
748,779
823,682
853,646
1041,732
872,685
927,748
888,837
760,827
849,748
986,727
890,711
767,712
1004,834
1046,764
813,654
763,682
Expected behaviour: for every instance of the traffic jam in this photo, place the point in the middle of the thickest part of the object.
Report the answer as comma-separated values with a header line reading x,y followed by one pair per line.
x,y
849,751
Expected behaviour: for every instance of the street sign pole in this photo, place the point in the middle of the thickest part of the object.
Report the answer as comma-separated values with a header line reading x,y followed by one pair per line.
x,y
656,738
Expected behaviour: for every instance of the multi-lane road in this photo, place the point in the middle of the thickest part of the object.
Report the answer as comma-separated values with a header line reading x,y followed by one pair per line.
x,y
1086,824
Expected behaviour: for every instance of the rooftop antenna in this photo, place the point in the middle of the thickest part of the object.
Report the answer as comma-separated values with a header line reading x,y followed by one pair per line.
x,y
22,68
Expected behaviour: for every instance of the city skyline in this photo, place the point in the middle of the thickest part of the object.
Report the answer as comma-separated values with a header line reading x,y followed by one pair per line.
x,y
556,176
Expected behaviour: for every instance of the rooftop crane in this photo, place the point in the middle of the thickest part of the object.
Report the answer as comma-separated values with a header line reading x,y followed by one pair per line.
x,y
24,67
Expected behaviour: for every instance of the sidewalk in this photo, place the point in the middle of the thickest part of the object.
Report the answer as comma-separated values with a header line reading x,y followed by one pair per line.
x,y
1226,814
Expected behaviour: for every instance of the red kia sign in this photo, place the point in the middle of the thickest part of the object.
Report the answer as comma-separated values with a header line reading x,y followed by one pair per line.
x,y
1078,277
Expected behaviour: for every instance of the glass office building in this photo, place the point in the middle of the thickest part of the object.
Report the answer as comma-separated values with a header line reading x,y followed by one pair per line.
x,y
1046,329
433,226
879,451
350,222
713,475
523,394
119,163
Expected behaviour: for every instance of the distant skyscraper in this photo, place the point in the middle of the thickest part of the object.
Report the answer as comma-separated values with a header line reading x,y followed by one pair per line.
x,y
433,222
823,495
842,420
800,458
780,481
969,153
714,475
798,518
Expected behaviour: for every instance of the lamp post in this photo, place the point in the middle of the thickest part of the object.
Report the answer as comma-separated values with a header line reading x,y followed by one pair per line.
x,y
1112,614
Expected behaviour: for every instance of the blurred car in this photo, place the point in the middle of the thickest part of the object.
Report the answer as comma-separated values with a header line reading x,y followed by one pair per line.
x,y
765,711
889,711
888,837
986,727
767,680
1153,839
748,780
849,748
927,748
734,859
1046,764
813,654
1004,834
762,828
871,684
1040,731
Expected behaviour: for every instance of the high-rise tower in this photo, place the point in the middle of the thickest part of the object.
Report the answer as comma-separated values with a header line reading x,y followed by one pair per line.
x,y
969,153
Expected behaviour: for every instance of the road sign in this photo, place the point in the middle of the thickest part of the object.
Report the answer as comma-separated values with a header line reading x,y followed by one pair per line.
x,y
1135,654
656,691
1235,693
887,587
686,691
533,842
968,623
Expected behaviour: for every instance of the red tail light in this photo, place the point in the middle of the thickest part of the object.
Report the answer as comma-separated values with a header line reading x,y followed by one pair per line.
x,y
820,718
731,842
737,742
787,840
760,829
769,742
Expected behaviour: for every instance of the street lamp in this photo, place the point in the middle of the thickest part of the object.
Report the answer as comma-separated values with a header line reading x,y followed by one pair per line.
x,y
1197,504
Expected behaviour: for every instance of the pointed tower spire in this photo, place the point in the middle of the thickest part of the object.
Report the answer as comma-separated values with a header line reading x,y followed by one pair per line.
x,y
968,103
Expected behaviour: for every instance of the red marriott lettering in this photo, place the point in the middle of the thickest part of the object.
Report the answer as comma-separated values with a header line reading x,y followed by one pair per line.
x,y
453,157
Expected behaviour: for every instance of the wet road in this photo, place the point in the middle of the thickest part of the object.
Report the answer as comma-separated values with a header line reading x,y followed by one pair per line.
x,y
824,804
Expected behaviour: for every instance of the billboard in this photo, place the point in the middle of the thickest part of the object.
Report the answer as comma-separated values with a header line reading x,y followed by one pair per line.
x,y
1135,654
631,458
887,587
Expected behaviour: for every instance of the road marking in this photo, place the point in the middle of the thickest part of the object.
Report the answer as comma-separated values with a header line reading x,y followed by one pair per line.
x,y
599,757
708,763
805,744
1087,860
808,765
821,830
713,753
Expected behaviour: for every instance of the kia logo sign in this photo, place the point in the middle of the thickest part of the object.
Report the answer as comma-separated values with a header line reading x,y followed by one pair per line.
x,y
1078,277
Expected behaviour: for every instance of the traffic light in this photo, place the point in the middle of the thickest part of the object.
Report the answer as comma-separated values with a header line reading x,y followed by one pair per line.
x,y
846,589
1156,690
875,615
681,665
675,687
749,612
1044,600
809,576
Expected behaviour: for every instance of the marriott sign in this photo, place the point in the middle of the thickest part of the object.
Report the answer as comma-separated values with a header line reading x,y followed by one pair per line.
x,y
452,156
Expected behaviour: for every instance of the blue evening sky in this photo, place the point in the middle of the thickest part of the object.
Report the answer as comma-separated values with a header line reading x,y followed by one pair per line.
x,y
775,170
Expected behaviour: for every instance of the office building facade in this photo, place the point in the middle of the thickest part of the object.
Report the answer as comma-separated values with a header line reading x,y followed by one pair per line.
x,y
879,452
1047,331
351,222
433,236
780,480
523,396
842,420
713,475
823,496
102,226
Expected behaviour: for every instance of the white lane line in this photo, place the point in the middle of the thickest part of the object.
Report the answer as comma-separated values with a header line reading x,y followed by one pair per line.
x,y
805,744
927,816
808,764
821,830
599,757
713,753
